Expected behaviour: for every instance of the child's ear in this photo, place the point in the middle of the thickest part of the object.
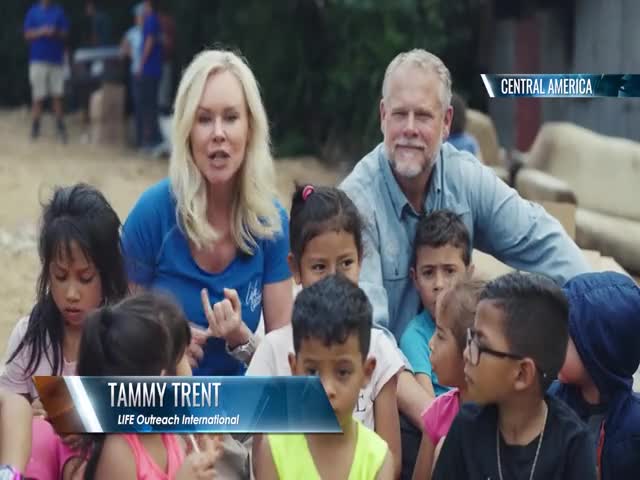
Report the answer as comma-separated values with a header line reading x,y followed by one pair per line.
x,y
412,272
470,271
369,366
293,266
292,363
527,374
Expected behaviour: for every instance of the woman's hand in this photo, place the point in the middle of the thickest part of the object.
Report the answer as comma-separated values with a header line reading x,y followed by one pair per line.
x,y
195,352
199,464
225,318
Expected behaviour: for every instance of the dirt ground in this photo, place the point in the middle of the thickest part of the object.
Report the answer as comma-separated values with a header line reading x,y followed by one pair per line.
x,y
28,171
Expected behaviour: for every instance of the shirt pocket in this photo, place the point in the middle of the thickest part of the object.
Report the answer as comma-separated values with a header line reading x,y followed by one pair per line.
x,y
395,264
395,276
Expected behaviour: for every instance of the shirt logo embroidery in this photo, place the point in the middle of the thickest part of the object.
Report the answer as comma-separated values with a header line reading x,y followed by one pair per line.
x,y
254,296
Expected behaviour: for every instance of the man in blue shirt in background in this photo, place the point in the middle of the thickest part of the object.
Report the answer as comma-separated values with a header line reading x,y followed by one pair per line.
x,y
149,74
46,28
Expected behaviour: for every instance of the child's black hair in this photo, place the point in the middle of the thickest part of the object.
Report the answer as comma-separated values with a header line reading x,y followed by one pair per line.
x,y
440,228
331,310
459,303
81,215
316,210
459,120
169,313
115,339
116,342
536,314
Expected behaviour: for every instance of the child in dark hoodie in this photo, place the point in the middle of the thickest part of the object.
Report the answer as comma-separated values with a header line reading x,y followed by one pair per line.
x,y
597,377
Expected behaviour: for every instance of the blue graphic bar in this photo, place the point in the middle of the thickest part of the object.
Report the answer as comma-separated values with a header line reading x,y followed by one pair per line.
x,y
187,404
563,85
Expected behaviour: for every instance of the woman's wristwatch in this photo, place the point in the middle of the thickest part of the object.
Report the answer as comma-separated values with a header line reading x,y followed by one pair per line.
x,y
243,352
7,472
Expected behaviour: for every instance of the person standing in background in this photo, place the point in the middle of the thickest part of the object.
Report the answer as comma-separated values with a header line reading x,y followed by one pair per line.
x,y
131,46
459,137
165,90
46,28
148,75
100,25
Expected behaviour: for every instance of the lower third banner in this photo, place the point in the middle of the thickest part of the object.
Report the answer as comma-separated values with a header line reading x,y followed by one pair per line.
x,y
186,404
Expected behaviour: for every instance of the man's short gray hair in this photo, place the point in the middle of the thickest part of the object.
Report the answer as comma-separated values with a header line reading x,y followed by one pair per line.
x,y
428,62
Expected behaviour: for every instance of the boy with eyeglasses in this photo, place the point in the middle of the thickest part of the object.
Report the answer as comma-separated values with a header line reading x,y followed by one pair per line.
x,y
514,352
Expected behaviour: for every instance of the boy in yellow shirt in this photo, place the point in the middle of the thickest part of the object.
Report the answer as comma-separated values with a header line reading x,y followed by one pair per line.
x,y
331,334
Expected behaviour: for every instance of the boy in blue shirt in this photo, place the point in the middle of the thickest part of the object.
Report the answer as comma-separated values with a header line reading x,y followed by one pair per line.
x,y
46,28
442,256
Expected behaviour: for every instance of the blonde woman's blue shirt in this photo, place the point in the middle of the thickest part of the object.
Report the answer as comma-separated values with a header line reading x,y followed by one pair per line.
x,y
414,343
158,257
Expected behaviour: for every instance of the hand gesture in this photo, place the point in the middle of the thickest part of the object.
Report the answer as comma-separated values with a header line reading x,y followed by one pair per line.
x,y
195,351
200,463
225,318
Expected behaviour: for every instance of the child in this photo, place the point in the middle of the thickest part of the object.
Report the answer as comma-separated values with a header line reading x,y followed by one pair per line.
x,y
455,310
514,351
325,238
234,460
115,342
15,434
597,377
81,268
442,256
331,333
171,315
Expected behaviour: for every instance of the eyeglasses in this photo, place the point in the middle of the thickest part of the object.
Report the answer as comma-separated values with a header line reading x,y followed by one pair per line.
x,y
475,349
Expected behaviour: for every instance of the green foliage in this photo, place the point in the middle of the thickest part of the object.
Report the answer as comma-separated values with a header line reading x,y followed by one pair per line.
x,y
320,63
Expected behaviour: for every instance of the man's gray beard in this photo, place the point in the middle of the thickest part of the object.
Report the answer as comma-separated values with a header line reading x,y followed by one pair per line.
x,y
413,171
408,172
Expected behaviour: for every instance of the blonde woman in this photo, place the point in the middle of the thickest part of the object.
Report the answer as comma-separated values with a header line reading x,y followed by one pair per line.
x,y
213,232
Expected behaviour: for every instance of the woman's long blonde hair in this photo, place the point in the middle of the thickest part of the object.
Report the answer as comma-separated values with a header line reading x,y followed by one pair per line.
x,y
254,211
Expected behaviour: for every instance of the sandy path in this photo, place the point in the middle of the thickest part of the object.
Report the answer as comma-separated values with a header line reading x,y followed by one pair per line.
x,y
28,171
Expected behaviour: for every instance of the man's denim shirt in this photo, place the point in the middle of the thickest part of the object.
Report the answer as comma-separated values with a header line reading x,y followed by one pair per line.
x,y
500,223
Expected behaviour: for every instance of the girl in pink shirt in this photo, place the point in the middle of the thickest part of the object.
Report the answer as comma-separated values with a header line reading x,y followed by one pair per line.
x,y
455,311
115,342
